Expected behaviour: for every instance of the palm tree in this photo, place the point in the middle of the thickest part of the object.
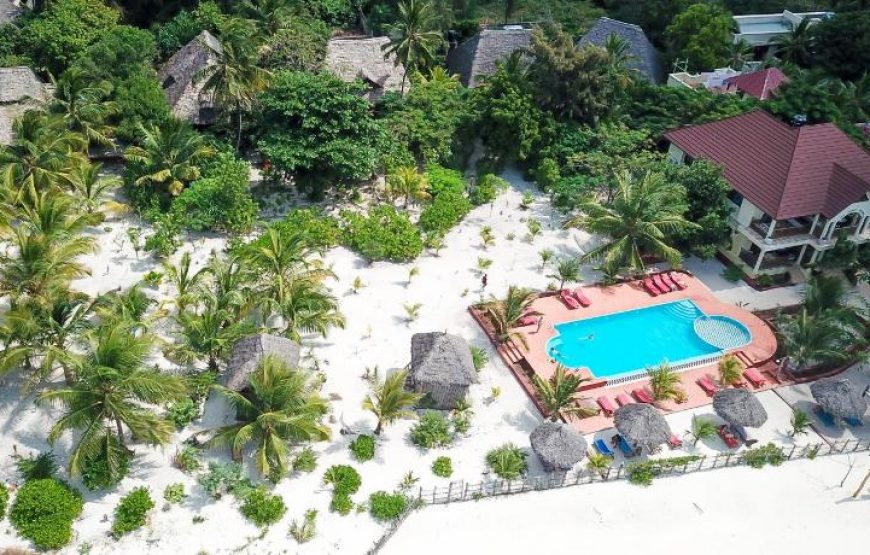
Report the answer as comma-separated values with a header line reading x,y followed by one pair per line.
x,y
665,383
390,401
558,395
701,429
567,270
129,308
92,189
641,220
619,51
52,213
41,263
304,306
280,405
169,156
796,47
813,340
83,106
730,370
504,314
739,53
112,388
270,16
185,280
208,332
406,182
412,38
823,293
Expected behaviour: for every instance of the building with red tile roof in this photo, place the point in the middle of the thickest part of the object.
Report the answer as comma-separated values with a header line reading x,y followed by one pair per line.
x,y
760,84
796,189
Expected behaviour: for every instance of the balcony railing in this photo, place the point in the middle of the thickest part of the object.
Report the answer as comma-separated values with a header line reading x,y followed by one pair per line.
x,y
770,260
782,229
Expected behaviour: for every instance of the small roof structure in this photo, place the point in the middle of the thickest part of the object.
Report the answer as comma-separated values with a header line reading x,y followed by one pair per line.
x,y
760,84
739,407
839,397
558,445
182,78
8,11
787,171
646,58
478,57
351,58
20,90
641,425
248,352
442,359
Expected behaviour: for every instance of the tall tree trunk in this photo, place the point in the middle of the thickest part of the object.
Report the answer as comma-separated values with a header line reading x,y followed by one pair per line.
x,y
380,427
120,429
239,134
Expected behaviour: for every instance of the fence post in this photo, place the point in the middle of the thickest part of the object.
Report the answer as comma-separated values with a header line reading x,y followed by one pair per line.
x,y
793,447
449,492
465,491
857,443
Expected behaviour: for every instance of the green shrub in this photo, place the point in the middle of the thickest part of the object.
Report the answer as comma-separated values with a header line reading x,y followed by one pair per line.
x,y
305,461
4,499
345,480
305,531
183,413
507,462
44,511
547,174
199,383
442,467
732,273
444,180
262,508
641,473
220,201
164,241
444,213
479,357
387,506
363,448
224,478
43,465
131,512
174,493
432,430
488,188
764,454
383,234
187,460
341,504
97,475
318,229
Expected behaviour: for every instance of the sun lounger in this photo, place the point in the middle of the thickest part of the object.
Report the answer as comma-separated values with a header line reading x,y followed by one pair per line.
x,y
663,287
626,449
678,280
669,282
581,297
827,419
527,320
675,441
643,396
605,405
729,438
623,399
707,385
650,287
853,422
568,299
754,377
602,447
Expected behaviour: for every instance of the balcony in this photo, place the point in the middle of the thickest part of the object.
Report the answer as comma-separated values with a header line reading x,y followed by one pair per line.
x,y
769,262
785,233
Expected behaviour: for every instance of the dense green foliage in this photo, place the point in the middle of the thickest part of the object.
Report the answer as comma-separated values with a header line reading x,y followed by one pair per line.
x,y
508,462
700,34
262,508
442,467
99,474
363,448
345,481
433,430
4,499
44,511
842,44
387,506
132,512
383,234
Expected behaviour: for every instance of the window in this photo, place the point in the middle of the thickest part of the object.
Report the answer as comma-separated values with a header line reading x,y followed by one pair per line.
x,y
735,197
168,82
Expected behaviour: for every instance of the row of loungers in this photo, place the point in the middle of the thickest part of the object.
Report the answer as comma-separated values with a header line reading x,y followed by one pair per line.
x,y
627,450
830,421
659,284
574,299
751,374
641,395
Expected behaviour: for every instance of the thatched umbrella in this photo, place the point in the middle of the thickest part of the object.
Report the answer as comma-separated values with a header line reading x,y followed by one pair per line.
x,y
838,397
739,407
641,425
558,445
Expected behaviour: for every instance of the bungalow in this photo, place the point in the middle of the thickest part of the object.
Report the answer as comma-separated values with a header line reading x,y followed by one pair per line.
x,y
21,90
796,190
644,57
762,30
8,11
478,57
183,78
758,84
363,58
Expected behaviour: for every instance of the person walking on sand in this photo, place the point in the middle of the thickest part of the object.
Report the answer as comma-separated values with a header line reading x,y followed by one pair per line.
x,y
540,323
484,281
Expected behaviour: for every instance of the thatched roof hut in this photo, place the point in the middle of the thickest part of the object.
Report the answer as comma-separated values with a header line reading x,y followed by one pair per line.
x,y
248,352
20,90
641,425
645,58
183,77
839,397
8,12
478,57
558,445
441,367
363,58
739,407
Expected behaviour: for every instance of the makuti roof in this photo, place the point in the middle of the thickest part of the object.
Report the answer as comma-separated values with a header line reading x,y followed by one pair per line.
x,y
441,359
20,90
646,57
786,171
760,84
182,77
8,11
363,58
478,57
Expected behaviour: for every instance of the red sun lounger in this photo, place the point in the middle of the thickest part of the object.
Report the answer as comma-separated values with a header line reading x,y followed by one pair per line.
x,y
669,282
675,441
754,377
623,399
707,385
606,406
663,287
527,320
568,299
642,396
678,280
650,287
581,297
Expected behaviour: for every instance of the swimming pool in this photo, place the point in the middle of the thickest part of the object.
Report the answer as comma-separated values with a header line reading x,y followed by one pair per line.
x,y
623,343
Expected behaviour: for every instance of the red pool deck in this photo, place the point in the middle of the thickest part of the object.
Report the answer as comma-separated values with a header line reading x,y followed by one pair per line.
x,y
607,300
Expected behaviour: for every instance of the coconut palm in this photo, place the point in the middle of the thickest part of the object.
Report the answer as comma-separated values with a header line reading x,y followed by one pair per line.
x,y
739,53
701,429
82,104
826,293
567,270
619,52
559,394
282,254
730,370
91,189
53,214
814,340
413,39
230,280
304,306
40,263
796,47
270,16
390,401
504,313
208,332
110,395
184,279
129,308
279,406
169,157
406,182
665,383
641,220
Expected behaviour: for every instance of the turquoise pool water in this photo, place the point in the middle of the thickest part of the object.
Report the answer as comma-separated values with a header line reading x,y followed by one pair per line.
x,y
622,343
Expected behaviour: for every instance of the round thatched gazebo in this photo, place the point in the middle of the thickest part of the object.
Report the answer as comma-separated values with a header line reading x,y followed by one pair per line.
x,y
558,446
641,425
441,367
739,407
839,397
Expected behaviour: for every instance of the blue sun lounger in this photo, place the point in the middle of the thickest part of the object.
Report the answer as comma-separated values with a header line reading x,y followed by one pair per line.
x,y
602,447
625,447
826,418
853,422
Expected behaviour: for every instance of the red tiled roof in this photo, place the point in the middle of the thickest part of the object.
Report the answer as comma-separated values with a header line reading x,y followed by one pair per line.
x,y
786,171
760,84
